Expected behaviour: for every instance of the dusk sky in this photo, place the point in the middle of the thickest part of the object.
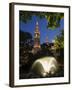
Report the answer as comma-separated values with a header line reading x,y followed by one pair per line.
x,y
44,31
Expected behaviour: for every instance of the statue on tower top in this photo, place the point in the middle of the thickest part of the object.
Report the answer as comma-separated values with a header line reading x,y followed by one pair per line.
x,y
37,23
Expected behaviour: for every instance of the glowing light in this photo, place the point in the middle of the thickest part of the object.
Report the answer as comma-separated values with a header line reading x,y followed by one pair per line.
x,y
49,65
37,46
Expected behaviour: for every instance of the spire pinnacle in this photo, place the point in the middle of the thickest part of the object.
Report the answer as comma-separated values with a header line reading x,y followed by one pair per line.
x,y
37,23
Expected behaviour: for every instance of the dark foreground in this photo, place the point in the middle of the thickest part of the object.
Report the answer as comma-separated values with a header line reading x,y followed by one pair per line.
x,y
31,74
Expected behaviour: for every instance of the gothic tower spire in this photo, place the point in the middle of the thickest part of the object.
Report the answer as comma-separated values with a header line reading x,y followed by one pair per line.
x,y
37,38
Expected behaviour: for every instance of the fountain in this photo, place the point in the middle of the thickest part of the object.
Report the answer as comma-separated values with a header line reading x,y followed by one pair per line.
x,y
45,66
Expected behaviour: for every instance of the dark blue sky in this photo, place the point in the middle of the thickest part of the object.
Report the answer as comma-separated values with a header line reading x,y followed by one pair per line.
x,y
44,31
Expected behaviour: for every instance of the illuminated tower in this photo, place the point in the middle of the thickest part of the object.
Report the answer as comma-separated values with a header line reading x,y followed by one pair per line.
x,y
37,46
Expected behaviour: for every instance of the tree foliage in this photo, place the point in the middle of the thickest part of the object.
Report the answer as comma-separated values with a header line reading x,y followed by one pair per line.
x,y
53,19
26,40
59,40
24,36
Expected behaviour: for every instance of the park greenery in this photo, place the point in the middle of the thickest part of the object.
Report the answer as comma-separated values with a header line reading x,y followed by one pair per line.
x,y
59,40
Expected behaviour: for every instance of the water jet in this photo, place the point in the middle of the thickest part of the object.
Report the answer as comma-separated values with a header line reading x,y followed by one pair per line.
x,y
45,66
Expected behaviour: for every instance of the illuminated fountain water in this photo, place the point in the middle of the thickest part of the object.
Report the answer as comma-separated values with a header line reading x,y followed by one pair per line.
x,y
45,66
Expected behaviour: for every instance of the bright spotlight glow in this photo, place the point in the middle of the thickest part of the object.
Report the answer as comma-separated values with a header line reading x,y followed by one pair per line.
x,y
49,65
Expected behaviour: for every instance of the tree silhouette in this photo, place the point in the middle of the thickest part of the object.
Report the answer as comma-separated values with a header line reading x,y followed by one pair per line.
x,y
26,44
24,36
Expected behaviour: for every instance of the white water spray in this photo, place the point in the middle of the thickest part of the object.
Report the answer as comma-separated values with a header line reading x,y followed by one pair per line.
x,y
45,66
